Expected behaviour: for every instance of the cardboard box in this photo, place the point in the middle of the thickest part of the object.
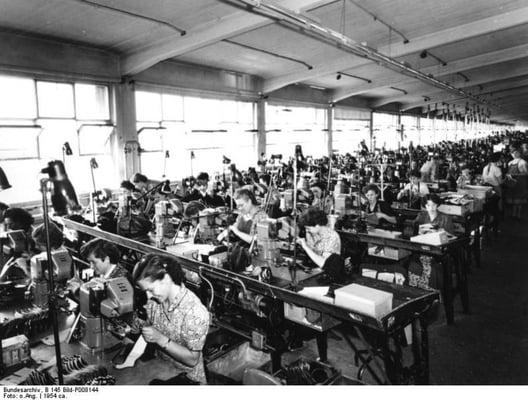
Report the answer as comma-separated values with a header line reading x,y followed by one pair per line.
x,y
384,233
456,209
389,253
362,299
311,318
478,192
434,238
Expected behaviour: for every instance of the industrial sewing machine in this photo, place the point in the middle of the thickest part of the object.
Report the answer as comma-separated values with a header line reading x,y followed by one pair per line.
x,y
268,244
102,300
38,289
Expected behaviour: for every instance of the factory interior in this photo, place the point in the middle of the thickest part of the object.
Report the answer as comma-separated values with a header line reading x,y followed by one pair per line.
x,y
263,192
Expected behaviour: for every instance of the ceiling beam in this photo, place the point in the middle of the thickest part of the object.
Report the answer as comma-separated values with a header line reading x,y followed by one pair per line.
x,y
398,49
500,94
442,96
214,31
452,67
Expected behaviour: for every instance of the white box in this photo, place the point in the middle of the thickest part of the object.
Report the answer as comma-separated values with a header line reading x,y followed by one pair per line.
x,y
362,299
478,192
384,233
389,253
434,238
454,209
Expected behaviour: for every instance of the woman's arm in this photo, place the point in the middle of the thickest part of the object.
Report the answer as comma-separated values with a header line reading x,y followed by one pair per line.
x,y
177,351
316,258
246,237
386,217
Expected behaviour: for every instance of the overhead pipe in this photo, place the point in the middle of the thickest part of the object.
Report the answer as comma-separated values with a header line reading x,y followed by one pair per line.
x,y
345,43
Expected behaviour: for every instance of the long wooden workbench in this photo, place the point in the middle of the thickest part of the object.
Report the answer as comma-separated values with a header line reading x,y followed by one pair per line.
x,y
410,307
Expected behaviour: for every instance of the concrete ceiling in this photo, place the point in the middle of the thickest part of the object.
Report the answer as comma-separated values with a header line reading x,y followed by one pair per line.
x,y
477,45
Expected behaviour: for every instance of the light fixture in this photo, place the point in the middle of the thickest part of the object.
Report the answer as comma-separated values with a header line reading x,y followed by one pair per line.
x,y
63,196
4,183
93,165
338,76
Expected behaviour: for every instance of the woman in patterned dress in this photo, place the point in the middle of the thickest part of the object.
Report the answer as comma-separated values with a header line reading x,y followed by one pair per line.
x,y
178,321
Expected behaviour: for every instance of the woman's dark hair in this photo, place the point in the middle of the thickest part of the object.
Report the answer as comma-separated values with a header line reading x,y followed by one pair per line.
x,y
137,177
374,188
3,207
101,249
495,157
20,218
193,209
247,194
154,267
203,176
433,197
415,173
55,235
128,186
312,217
318,185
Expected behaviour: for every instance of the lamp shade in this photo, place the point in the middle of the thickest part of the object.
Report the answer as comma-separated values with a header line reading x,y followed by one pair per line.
x,y
63,197
166,188
4,183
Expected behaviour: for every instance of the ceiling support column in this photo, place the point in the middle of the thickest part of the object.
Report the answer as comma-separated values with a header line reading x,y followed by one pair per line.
x,y
125,144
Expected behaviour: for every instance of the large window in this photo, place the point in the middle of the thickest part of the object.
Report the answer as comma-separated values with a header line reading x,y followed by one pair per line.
x,y
289,126
37,118
350,128
386,131
184,135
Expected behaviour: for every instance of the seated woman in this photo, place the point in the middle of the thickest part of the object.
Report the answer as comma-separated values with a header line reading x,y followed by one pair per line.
x,y
464,178
179,321
377,210
413,191
423,272
320,200
322,244
249,215
432,216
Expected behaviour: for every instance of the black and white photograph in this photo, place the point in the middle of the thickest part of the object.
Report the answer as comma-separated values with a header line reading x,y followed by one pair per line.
x,y
242,193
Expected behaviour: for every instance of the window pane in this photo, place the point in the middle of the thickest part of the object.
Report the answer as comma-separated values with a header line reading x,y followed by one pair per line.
x,y
94,139
150,137
17,98
172,107
23,175
348,134
148,106
25,145
55,100
54,134
91,102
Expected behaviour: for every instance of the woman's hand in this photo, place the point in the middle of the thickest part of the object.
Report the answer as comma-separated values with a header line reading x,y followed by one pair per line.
x,y
152,335
223,234
302,242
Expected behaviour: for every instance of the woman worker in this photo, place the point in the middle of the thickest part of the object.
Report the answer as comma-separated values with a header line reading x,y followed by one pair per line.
x,y
249,215
377,210
422,274
322,244
516,184
179,321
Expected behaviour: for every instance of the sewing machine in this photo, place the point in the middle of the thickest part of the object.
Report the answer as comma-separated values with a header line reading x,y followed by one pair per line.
x,y
38,290
101,299
268,244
